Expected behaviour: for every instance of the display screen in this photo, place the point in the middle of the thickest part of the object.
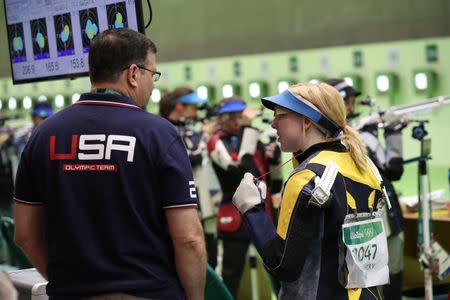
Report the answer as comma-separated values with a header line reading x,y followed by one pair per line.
x,y
49,39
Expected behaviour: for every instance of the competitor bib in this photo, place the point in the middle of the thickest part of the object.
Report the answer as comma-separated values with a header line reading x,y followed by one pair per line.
x,y
367,253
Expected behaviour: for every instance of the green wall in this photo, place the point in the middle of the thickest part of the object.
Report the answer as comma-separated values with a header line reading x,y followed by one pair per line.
x,y
401,57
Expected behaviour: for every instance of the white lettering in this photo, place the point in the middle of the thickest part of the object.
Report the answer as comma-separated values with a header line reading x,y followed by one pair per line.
x,y
94,147
356,235
192,190
100,148
131,140
89,167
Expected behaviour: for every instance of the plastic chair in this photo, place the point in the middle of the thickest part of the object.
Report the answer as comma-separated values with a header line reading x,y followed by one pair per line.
x,y
17,257
215,289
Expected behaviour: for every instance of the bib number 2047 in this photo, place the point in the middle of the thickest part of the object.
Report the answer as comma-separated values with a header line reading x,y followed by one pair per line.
x,y
365,252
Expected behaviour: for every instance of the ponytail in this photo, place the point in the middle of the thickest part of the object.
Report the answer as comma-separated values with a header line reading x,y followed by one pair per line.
x,y
330,103
355,145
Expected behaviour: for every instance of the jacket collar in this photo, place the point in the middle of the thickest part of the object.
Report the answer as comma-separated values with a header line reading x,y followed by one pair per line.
x,y
336,146
107,99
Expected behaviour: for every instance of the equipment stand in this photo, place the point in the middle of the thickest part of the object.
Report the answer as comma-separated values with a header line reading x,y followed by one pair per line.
x,y
253,272
424,229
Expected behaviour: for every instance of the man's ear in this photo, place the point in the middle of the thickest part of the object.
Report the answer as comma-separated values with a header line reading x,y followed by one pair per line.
x,y
132,74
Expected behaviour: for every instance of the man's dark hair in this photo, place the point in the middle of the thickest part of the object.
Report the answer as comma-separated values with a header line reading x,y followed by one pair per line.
x,y
334,81
115,49
346,91
169,100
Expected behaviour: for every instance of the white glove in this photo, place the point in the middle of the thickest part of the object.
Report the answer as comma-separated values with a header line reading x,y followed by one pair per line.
x,y
248,194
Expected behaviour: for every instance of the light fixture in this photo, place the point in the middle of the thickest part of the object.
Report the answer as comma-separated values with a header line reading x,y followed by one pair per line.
x,y
316,79
12,103
205,91
230,90
75,97
257,89
42,98
284,84
386,83
27,103
156,95
59,101
349,81
353,80
425,81
421,81
383,83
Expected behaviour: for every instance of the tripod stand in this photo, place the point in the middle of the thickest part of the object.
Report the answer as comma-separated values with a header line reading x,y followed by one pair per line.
x,y
424,229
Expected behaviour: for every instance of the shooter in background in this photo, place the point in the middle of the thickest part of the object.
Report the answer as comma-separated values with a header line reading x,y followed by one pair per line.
x,y
12,142
234,150
180,108
7,166
389,161
40,112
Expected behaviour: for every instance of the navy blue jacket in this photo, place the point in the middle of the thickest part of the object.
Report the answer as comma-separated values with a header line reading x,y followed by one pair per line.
x,y
105,170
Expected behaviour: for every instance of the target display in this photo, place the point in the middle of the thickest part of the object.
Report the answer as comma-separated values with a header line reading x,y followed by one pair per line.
x,y
64,35
49,39
117,15
89,26
39,38
16,43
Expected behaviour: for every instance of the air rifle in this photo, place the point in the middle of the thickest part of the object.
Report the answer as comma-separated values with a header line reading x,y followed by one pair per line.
x,y
402,113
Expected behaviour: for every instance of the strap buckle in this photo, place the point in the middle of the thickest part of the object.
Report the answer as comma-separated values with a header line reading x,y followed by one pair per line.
x,y
321,192
319,197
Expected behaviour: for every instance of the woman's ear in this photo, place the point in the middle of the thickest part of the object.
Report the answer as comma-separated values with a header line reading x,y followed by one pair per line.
x,y
306,123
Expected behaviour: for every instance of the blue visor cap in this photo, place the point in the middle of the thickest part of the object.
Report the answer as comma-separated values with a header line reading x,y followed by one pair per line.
x,y
192,98
296,104
231,106
42,112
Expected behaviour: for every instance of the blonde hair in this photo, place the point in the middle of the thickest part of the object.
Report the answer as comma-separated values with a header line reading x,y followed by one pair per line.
x,y
330,103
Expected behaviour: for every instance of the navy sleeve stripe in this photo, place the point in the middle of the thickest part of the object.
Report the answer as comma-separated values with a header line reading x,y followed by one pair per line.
x,y
190,205
27,202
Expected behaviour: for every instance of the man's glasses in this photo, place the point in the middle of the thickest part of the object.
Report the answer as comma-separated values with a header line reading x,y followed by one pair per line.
x,y
155,74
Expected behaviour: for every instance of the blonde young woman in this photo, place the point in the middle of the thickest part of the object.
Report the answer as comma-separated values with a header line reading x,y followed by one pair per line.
x,y
332,179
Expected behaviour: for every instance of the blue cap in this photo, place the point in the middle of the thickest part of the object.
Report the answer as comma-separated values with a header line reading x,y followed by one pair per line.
x,y
42,111
192,98
231,106
296,104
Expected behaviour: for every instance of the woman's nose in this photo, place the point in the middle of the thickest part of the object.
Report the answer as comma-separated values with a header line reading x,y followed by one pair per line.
x,y
274,123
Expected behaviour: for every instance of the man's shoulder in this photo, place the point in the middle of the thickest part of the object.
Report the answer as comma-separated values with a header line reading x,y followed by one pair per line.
x,y
138,118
